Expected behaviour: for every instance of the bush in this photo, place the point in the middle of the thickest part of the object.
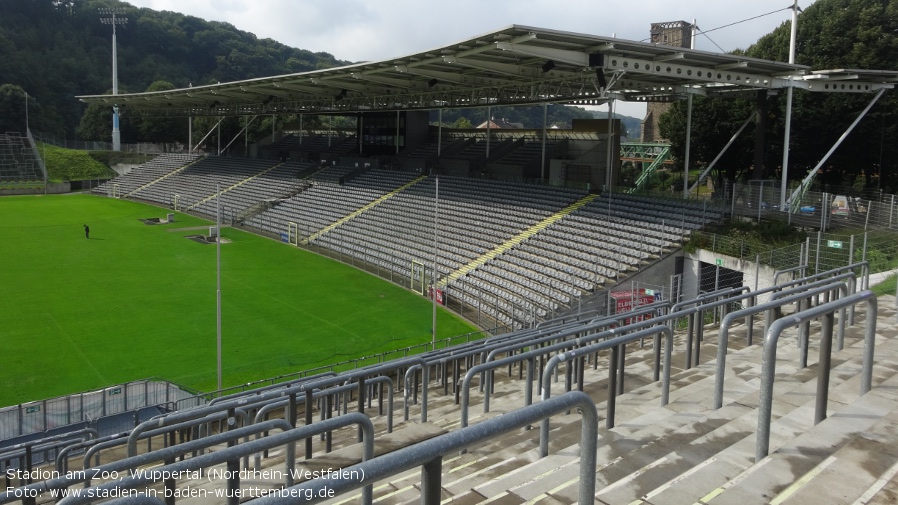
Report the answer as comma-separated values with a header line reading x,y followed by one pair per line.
x,y
71,165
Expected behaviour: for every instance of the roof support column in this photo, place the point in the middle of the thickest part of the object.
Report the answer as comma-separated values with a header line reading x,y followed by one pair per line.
x,y
218,133
300,128
190,130
207,134
608,158
722,151
440,134
760,134
245,128
489,119
688,146
795,199
543,160
397,132
788,127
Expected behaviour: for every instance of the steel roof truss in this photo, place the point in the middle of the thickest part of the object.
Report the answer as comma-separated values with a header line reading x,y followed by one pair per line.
x,y
405,83
699,74
577,58
499,68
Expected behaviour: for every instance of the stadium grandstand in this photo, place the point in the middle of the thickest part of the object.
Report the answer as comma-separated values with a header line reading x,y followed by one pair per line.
x,y
684,388
20,163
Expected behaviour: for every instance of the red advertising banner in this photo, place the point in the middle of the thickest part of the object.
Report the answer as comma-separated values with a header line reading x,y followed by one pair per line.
x,y
625,301
441,297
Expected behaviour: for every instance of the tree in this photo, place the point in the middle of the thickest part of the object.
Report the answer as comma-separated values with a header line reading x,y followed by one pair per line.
x,y
462,123
58,49
714,121
95,124
162,130
831,34
12,108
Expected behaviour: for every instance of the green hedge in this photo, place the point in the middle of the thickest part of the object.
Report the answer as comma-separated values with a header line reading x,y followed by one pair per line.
x,y
72,165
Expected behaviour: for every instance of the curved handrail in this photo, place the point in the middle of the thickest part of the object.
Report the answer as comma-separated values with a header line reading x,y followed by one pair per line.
x,y
768,360
429,453
228,454
724,333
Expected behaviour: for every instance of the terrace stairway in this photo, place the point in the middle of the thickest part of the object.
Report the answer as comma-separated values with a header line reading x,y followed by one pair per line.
x,y
686,452
681,453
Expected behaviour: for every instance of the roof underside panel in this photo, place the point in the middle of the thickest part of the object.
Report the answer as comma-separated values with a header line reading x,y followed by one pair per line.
x,y
517,65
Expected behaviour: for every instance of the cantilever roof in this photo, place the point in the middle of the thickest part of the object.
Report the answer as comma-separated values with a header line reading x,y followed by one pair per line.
x,y
513,66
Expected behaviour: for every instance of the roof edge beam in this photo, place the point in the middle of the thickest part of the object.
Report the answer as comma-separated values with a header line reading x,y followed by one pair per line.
x,y
433,74
398,83
499,68
731,66
695,73
563,55
671,57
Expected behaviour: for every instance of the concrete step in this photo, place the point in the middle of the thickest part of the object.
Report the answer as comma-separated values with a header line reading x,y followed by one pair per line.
x,y
798,461
536,488
518,481
738,455
648,460
640,423
867,458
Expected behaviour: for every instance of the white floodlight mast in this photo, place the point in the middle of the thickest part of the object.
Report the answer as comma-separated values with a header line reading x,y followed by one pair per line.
x,y
114,20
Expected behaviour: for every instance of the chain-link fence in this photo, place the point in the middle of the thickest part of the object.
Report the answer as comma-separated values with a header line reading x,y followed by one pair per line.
x,y
842,228
142,147
819,210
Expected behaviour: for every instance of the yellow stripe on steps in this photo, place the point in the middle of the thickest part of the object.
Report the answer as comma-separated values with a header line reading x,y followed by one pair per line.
x,y
517,239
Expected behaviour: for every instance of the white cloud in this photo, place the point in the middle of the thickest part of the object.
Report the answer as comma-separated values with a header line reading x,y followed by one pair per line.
x,y
357,30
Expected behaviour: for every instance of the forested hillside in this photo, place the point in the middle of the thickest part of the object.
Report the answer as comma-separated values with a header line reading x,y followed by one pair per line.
x,y
56,49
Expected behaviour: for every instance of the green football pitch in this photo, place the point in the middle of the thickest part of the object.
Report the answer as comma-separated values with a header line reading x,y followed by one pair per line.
x,y
137,301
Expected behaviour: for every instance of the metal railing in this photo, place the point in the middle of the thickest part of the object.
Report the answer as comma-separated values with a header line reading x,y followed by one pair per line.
x,y
43,415
587,343
231,456
616,366
768,361
429,455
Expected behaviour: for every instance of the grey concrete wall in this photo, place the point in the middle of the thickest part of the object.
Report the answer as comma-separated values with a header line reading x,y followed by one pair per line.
x,y
54,188
655,275
755,276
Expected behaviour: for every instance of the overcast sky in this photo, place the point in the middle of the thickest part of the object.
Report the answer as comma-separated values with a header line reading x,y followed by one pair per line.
x,y
356,30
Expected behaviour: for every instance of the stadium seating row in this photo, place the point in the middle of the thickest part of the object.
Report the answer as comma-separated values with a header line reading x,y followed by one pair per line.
x,y
391,220
18,161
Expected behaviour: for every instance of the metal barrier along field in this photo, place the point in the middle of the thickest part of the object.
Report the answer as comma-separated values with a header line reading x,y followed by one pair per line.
x,y
43,415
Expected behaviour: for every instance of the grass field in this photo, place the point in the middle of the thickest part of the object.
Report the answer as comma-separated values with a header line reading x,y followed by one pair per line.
x,y
139,301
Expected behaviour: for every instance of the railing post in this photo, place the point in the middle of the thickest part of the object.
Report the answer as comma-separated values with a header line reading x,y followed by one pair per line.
x,y
431,476
612,387
308,408
824,363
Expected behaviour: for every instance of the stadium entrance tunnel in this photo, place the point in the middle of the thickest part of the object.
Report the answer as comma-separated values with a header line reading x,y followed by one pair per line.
x,y
158,220
206,239
717,277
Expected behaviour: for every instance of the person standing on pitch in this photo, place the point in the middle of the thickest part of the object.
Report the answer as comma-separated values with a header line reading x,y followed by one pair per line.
x,y
86,231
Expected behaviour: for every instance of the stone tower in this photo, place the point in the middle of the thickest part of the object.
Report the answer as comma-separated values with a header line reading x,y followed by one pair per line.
x,y
671,33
